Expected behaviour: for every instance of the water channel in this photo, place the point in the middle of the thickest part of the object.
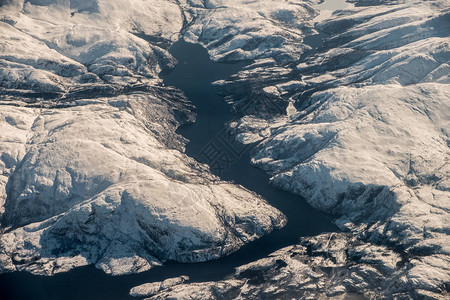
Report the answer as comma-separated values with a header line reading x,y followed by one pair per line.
x,y
193,75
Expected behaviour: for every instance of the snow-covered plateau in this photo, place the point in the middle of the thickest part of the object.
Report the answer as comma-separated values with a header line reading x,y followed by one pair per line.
x,y
92,171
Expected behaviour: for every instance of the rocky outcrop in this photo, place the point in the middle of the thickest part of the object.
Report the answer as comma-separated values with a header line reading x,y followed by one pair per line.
x,y
239,30
328,266
359,128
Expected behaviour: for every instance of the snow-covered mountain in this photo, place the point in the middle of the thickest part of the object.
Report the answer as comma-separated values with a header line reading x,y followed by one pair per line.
x,y
365,136
91,168
327,266
358,126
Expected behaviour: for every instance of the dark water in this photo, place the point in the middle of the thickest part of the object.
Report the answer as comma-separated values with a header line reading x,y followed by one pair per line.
x,y
193,75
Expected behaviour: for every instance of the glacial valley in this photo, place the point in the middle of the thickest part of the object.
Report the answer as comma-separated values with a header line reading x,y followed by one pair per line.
x,y
350,111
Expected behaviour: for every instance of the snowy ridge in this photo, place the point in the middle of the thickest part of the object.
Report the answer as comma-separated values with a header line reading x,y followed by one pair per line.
x,y
327,266
239,30
89,149
92,171
368,138
84,188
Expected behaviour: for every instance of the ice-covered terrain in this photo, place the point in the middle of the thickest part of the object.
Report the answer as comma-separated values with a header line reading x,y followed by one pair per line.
x,y
366,137
93,172
327,266
92,184
91,168
238,29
